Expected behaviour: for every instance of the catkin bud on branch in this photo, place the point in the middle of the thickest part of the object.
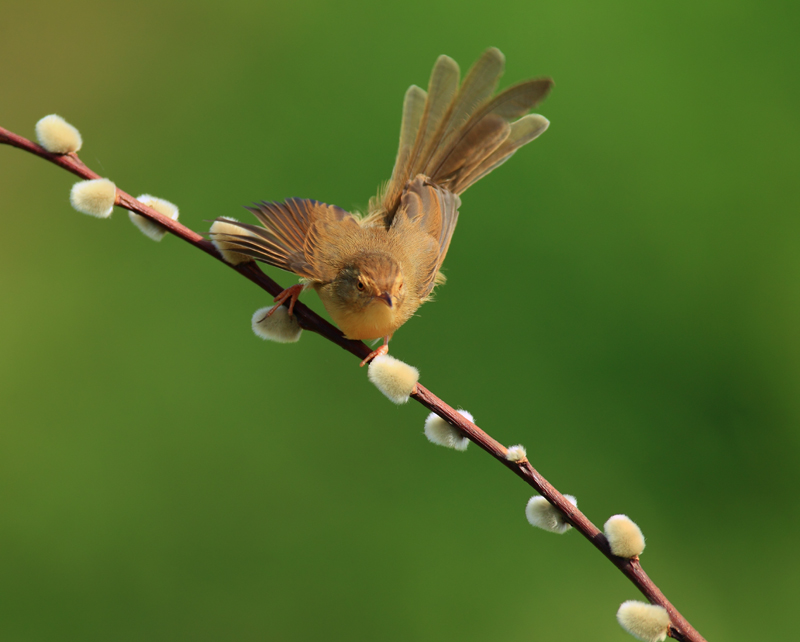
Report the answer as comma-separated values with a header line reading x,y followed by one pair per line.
x,y
57,136
279,326
393,378
517,453
149,228
95,197
648,622
544,515
624,536
441,433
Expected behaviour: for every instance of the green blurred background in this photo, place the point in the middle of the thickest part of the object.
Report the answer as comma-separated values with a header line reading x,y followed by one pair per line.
x,y
623,299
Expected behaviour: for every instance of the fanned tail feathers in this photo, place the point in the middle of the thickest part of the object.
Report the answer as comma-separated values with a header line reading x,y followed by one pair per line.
x,y
461,134
413,108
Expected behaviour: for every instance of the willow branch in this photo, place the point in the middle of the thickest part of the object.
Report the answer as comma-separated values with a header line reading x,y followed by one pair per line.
x,y
680,629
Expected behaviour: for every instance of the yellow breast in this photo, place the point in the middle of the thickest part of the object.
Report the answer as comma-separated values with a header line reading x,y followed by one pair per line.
x,y
375,321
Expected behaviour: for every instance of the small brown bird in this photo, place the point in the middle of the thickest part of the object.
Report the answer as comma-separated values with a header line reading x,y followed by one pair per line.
x,y
373,271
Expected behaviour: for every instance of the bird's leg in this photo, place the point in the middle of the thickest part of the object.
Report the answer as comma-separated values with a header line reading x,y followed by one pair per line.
x,y
292,293
384,349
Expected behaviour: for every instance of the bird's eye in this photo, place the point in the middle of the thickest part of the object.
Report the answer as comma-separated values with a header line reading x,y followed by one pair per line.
x,y
360,285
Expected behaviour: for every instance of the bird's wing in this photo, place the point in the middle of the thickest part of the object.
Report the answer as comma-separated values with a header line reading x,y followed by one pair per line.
x,y
433,211
286,237
453,135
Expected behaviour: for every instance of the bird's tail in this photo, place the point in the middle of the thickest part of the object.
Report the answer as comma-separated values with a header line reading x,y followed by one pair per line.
x,y
456,135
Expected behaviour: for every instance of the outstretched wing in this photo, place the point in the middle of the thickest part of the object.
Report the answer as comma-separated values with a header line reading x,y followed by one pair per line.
x,y
426,219
453,135
285,238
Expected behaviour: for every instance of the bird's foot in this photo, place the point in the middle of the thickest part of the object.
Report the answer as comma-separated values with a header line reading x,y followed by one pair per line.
x,y
292,293
384,349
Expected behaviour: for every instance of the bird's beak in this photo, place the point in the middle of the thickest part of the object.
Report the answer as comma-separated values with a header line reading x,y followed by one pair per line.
x,y
386,298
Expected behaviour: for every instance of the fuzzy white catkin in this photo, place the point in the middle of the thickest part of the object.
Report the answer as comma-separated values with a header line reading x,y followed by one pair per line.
x,y
57,136
624,536
544,515
393,378
441,433
647,622
149,228
278,327
220,227
95,197
516,453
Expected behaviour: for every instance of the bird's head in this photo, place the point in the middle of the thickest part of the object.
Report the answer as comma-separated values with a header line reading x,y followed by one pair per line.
x,y
373,278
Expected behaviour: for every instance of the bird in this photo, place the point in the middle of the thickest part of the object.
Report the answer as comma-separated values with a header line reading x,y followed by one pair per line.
x,y
373,270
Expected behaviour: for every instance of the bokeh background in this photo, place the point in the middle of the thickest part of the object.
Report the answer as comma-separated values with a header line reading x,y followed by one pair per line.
x,y
623,299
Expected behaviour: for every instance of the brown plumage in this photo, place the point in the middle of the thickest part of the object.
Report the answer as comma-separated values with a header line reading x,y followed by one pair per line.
x,y
372,272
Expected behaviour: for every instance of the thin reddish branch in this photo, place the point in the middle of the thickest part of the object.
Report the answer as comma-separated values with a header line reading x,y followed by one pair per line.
x,y
680,629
